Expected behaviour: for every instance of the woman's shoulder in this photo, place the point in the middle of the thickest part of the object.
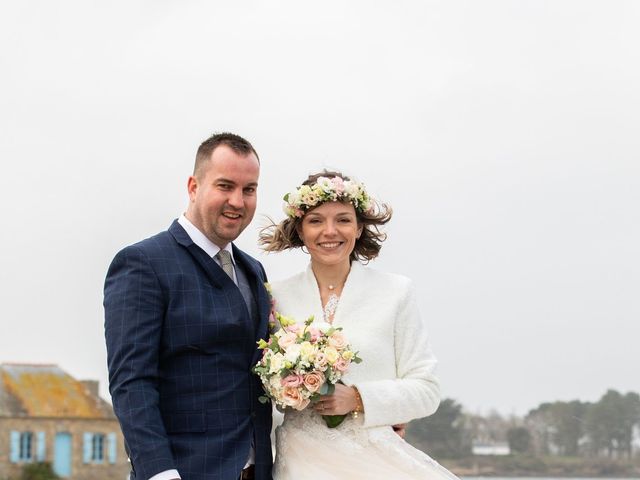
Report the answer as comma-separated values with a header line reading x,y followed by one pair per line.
x,y
293,282
372,275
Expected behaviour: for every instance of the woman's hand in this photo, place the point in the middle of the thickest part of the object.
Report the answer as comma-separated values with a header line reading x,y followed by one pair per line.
x,y
342,401
400,429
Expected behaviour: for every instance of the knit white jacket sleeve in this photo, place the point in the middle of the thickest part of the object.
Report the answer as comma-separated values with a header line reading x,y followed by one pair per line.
x,y
415,392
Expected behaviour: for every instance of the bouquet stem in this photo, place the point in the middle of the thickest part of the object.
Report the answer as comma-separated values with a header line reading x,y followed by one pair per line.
x,y
333,421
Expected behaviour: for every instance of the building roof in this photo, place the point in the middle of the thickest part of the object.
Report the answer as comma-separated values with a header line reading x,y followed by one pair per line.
x,y
47,391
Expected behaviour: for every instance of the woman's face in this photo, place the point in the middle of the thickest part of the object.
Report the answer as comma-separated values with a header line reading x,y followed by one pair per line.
x,y
330,232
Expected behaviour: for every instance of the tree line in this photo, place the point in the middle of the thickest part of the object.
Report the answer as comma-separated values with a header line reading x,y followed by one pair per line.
x,y
602,429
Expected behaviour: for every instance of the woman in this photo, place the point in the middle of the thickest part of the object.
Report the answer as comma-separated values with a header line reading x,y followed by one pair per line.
x,y
337,222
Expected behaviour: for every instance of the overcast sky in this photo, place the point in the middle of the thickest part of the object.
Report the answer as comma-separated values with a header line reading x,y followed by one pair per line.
x,y
505,134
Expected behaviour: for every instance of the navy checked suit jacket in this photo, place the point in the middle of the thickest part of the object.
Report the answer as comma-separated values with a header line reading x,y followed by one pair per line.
x,y
180,347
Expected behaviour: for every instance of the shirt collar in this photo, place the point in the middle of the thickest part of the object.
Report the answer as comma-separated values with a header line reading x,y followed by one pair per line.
x,y
201,240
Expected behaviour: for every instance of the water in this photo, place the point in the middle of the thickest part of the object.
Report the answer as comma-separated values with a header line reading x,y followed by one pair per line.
x,y
547,478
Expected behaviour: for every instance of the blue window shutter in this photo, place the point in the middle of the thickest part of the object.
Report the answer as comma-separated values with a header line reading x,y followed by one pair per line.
x,y
41,447
87,447
15,447
112,447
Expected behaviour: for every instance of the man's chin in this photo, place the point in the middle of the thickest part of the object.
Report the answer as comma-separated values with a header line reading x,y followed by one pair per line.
x,y
228,235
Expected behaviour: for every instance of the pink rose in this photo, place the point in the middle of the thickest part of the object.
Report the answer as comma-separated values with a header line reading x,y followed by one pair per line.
x,y
315,334
295,328
313,381
291,397
292,380
287,340
337,340
338,185
341,365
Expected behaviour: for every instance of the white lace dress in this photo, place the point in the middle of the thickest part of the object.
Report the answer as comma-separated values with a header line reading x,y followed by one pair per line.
x,y
379,316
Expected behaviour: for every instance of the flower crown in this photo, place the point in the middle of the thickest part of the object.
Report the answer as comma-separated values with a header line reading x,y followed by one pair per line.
x,y
326,189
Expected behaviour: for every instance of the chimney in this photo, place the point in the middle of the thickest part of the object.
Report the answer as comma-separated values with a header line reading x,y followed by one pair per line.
x,y
91,386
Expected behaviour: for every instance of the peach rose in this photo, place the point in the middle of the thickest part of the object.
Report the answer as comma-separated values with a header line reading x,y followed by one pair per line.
x,y
292,398
313,381
337,340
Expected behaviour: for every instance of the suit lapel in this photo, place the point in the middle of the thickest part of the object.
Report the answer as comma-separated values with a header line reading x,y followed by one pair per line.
x,y
214,273
255,278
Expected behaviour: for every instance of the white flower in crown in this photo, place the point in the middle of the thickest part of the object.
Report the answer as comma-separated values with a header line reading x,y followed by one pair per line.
x,y
326,189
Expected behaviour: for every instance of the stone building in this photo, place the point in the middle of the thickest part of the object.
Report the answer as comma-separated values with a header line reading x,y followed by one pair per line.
x,y
48,416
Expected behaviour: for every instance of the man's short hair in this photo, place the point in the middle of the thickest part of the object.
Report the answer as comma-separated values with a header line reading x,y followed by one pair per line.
x,y
235,142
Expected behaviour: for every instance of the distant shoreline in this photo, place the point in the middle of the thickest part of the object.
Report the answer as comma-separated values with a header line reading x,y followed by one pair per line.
x,y
543,467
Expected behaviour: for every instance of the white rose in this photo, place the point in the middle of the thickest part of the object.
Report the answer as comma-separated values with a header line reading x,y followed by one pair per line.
x,y
277,363
293,353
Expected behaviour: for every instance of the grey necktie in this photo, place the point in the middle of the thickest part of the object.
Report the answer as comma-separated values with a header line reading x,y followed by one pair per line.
x,y
224,257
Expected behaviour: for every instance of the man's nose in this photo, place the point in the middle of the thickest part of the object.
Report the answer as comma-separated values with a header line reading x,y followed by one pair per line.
x,y
236,198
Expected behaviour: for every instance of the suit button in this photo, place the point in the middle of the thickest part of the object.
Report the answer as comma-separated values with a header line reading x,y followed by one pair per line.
x,y
253,414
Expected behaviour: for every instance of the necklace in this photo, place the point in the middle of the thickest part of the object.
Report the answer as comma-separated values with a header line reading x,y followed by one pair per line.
x,y
332,300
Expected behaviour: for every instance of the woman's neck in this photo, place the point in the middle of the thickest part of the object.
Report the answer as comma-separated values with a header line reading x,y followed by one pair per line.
x,y
331,277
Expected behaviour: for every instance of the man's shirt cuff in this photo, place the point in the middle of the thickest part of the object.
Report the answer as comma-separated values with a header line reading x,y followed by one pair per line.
x,y
166,475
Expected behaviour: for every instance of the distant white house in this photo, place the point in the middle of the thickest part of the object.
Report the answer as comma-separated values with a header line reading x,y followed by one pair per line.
x,y
496,448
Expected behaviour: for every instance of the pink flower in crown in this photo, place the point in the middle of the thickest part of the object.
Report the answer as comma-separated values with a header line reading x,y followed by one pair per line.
x,y
313,381
287,340
338,185
292,380
293,398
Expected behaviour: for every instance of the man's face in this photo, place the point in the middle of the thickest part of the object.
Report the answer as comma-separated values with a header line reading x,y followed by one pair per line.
x,y
222,197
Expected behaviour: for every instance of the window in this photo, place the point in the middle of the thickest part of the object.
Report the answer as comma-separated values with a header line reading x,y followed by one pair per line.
x,y
23,447
97,448
27,447
26,442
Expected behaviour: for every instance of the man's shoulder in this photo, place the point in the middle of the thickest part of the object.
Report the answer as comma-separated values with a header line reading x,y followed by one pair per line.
x,y
158,241
154,246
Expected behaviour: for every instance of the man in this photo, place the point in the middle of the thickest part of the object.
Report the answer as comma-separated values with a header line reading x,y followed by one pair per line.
x,y
183,312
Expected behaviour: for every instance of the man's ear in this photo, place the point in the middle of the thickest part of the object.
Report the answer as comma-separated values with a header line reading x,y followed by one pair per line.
x,y
192,186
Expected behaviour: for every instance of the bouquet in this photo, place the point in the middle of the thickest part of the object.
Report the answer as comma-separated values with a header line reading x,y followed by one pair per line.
x,y
301,362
